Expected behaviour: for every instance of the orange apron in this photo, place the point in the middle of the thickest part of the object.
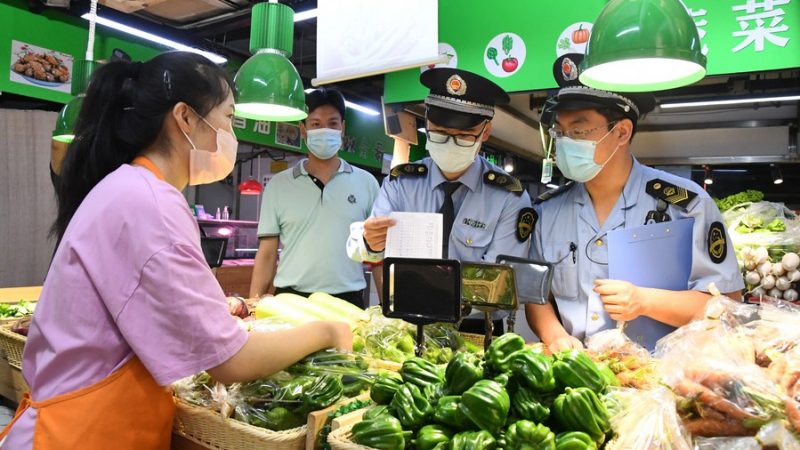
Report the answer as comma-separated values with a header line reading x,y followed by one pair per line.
x,y
127,410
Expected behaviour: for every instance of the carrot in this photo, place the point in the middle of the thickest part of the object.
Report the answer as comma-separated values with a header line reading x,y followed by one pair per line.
x,y
702,394
709,378
711,427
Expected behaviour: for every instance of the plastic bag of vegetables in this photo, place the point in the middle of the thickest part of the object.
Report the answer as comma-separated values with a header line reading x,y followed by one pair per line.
x,y
647,420
201,390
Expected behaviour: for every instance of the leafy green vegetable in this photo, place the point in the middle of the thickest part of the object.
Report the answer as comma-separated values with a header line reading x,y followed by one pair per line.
x,y
21,309
776,225
563,44
735,199
508,43
491,53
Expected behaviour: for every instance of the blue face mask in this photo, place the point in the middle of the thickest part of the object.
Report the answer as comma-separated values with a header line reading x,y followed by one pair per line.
x,y
324,143
575,158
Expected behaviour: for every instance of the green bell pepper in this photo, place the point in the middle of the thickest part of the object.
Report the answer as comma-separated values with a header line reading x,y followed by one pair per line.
x,y
433,392
473,440
411,407
384,388
420,372
430,436
462,372
580,409
486,404
607,374
326,391
533,369
383,433
295,388
353,386
526,405
276,419
526,435
498,356
575,440
374,413
574,368
448,412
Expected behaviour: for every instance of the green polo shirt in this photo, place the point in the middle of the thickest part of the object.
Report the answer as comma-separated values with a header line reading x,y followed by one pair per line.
x,y
312,222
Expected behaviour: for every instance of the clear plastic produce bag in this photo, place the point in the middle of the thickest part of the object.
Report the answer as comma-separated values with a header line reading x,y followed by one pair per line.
x,y
647,420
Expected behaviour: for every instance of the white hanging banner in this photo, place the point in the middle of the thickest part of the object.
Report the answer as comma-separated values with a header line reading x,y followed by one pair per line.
x,y
361,38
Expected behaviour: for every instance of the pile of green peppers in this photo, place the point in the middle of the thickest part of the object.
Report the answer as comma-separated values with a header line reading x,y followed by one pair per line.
x,y
515,397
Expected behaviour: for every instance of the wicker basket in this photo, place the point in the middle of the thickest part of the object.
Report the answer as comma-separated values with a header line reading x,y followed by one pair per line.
x,y
339,439
474,339
12,344
209,429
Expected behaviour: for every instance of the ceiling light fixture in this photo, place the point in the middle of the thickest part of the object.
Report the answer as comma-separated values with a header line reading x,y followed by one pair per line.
x,y
732,101
777,175
508,164
305,15
709,176
268,85
361,108
641,46
217,59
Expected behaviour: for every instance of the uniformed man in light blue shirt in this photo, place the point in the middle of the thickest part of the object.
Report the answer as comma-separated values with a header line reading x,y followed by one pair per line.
x,y
612,190
486,212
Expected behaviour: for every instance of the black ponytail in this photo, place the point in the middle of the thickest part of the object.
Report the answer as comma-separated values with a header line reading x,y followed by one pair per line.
x,y
123,113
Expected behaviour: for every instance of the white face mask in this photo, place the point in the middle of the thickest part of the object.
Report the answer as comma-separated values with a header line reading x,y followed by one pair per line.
x,y
206,166
451,158
324,143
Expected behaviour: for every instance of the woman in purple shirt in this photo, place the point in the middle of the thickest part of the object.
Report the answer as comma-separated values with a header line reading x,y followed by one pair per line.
x,y
129,305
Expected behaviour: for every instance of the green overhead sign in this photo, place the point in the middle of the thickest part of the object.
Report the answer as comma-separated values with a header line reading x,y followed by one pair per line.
x,y
47,38
364,142
516,42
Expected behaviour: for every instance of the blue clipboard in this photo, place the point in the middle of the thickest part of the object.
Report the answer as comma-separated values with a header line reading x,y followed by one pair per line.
x,y
657,256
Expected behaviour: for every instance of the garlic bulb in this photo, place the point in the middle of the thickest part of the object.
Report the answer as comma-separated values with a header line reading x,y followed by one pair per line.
x,y
775,293
790,295
778,269
783,283
790,261
768,282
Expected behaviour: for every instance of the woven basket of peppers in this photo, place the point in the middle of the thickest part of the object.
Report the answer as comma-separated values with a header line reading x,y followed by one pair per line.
x,y
513,397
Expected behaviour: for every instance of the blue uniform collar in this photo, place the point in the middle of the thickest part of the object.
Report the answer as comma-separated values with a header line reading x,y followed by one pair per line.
x,y
631,189
472,178
300,168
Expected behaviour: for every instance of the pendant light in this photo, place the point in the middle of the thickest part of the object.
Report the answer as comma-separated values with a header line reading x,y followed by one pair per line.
x,y
268,85
777,176
250,186
643,45
81,74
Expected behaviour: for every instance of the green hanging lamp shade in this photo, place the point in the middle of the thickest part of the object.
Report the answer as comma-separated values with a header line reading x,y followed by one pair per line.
x,y
643,45
68,116
268,86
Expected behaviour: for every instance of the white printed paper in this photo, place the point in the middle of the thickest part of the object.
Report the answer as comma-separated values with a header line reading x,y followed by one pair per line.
x,y
415,235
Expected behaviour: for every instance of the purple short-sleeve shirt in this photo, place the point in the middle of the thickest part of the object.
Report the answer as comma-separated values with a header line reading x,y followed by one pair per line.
x,y
129,278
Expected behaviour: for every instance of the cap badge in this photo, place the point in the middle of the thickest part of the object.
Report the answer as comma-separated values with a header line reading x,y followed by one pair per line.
x,y
569,71
456,85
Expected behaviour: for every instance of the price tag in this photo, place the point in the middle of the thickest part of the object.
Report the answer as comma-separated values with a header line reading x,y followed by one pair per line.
x,y
547,170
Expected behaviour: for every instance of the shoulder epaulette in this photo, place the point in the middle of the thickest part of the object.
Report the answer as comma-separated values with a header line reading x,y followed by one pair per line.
x,y
503,180
413,170
670,193
552,193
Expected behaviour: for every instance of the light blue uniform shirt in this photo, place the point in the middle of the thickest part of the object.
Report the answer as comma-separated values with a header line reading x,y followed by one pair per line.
x,y
313,225
486,215
569,218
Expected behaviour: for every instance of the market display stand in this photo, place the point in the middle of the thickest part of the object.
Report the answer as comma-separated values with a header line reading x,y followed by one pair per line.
x,y
234,280
15,294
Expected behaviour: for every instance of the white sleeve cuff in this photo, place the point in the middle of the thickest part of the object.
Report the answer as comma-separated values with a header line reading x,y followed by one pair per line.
x,y
357,248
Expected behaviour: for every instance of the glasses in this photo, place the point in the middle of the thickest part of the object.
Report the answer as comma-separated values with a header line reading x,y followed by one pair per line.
x,y
461,140
575,133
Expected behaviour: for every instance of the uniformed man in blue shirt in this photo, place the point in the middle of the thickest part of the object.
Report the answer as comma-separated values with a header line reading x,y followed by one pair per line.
x,y
611,190
486,212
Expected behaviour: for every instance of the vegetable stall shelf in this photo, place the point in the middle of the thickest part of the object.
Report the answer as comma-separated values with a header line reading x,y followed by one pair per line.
x,y
209,429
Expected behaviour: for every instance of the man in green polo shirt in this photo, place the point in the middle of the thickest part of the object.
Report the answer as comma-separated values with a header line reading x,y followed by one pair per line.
x,y
309,208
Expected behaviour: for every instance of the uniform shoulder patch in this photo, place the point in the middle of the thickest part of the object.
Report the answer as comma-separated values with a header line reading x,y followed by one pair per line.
x,y
552,193
408,170
503,180
526,220
717,243
670,193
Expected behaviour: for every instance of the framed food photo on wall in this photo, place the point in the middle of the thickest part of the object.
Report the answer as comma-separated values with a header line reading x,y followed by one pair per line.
x,y
288,134
40,67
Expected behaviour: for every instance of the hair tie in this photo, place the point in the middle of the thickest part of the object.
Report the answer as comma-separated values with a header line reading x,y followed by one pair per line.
x,y
167,79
